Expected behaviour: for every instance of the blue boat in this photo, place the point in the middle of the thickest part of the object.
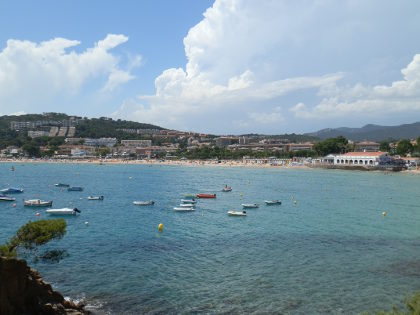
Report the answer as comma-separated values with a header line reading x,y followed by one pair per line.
x,y
11,190
75,189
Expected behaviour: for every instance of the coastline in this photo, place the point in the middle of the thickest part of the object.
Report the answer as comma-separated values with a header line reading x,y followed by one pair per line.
x,y
187,163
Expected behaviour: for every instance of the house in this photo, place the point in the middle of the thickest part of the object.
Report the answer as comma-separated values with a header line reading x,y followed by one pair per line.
x,y
363,159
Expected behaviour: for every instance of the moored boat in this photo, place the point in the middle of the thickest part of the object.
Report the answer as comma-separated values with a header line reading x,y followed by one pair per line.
x,y
95,198
37,203
187,205
144,203
184,209
6,198
189,200
11,190
189,196
227,189
208,196
237,213
61,185
63,211
75,188
250,205
272,202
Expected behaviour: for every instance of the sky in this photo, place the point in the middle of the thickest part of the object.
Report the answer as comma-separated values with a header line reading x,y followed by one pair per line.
x,y
214,66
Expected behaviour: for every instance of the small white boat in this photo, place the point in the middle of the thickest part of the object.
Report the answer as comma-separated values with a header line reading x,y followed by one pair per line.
x,y
250,205
189,200
184,209
144,203
272,202
63,211
237,213
61,185
6,198
187,205
11,190
95,198
37,203
227,189
75,188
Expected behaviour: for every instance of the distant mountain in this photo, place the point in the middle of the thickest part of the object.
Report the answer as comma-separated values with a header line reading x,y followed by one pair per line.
x,y
371,132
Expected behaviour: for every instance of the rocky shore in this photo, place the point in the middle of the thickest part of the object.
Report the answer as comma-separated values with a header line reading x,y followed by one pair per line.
x,y
22,291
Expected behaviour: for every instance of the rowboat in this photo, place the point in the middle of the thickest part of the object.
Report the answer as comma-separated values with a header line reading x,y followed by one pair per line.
x,y
208,196
74,188
189,200
61,185
272,202
144,203
184,209
227,189
95,198
237,213
37,203
250,205
63,211
11,190
6,198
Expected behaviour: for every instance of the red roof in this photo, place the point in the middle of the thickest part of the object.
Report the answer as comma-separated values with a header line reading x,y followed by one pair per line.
x,y
364,153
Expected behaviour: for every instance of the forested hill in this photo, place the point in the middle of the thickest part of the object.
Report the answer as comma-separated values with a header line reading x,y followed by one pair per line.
x,y
371,132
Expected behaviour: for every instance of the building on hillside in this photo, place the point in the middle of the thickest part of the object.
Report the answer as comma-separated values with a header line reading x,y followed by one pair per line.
x,y
363,159
74,140
307,146
243,140
62,132
101,142
367,146
225,141
37,133
53,131
136,143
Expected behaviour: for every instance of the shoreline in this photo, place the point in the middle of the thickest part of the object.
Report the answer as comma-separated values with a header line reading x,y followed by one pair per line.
x,y
188,163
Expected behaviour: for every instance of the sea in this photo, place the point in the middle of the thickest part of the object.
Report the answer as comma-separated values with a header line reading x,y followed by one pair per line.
x,y
341,242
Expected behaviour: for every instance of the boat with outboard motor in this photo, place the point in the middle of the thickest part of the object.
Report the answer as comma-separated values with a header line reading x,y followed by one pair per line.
x,y
144,203
37,203
63,211
184,209
237,213
95,198
61,185
189,200
227,188
272,202
75,188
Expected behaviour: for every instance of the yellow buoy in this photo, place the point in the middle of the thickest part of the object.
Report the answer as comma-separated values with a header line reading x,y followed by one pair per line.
x,y
160,227
294,201
384,214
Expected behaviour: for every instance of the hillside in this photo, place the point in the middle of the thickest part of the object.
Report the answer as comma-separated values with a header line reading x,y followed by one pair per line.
x,y
371,132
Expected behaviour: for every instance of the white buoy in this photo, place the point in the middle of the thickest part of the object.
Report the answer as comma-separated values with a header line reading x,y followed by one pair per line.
x,y
86,222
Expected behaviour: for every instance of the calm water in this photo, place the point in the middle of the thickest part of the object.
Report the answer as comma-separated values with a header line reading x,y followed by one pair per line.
x,y
331,252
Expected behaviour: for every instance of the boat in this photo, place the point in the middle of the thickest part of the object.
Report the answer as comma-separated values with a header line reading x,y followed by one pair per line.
x,y
74,188
6,198
144,203
189,200
237,213
187,205
190,196
63,211
208,196
272,202
250,205
11,190
184,209
61,185
227,189
95,198
37,203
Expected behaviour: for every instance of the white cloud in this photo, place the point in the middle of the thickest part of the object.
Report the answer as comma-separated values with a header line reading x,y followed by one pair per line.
x,y
35,74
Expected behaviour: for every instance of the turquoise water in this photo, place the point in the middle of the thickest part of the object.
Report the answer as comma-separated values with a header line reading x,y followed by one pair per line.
x,y
331,252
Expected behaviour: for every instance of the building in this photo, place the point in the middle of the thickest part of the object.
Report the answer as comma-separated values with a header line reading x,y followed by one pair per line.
x,y
101,142
367,146
37,133
74,140
363,159
225,141
243,140
307,146
136,143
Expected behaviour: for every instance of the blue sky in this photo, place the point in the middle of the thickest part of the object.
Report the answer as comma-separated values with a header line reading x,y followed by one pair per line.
x,y
223,66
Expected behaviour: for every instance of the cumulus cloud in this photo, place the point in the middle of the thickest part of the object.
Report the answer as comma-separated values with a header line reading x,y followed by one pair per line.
x,y
34,74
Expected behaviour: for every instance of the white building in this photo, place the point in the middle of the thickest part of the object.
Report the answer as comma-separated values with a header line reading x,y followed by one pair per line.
x,y
101,142
37,133
362,159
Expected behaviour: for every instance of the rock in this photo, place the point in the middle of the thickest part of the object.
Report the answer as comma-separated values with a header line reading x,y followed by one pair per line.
x,y
22,291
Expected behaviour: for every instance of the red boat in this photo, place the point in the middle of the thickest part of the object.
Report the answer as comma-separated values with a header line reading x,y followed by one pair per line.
x,y
206,195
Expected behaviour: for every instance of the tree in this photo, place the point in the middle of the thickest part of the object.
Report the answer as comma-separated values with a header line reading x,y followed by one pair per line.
x,y
32,149
331,145
34,234
384,146
404,147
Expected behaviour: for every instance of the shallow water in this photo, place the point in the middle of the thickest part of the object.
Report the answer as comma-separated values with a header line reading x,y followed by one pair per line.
x,y
331,252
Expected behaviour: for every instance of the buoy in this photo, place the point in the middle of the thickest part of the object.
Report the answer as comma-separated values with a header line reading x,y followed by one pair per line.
x,y
384,214
37,214
14,205
241,194
86,222
294,201
130,177
160,227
